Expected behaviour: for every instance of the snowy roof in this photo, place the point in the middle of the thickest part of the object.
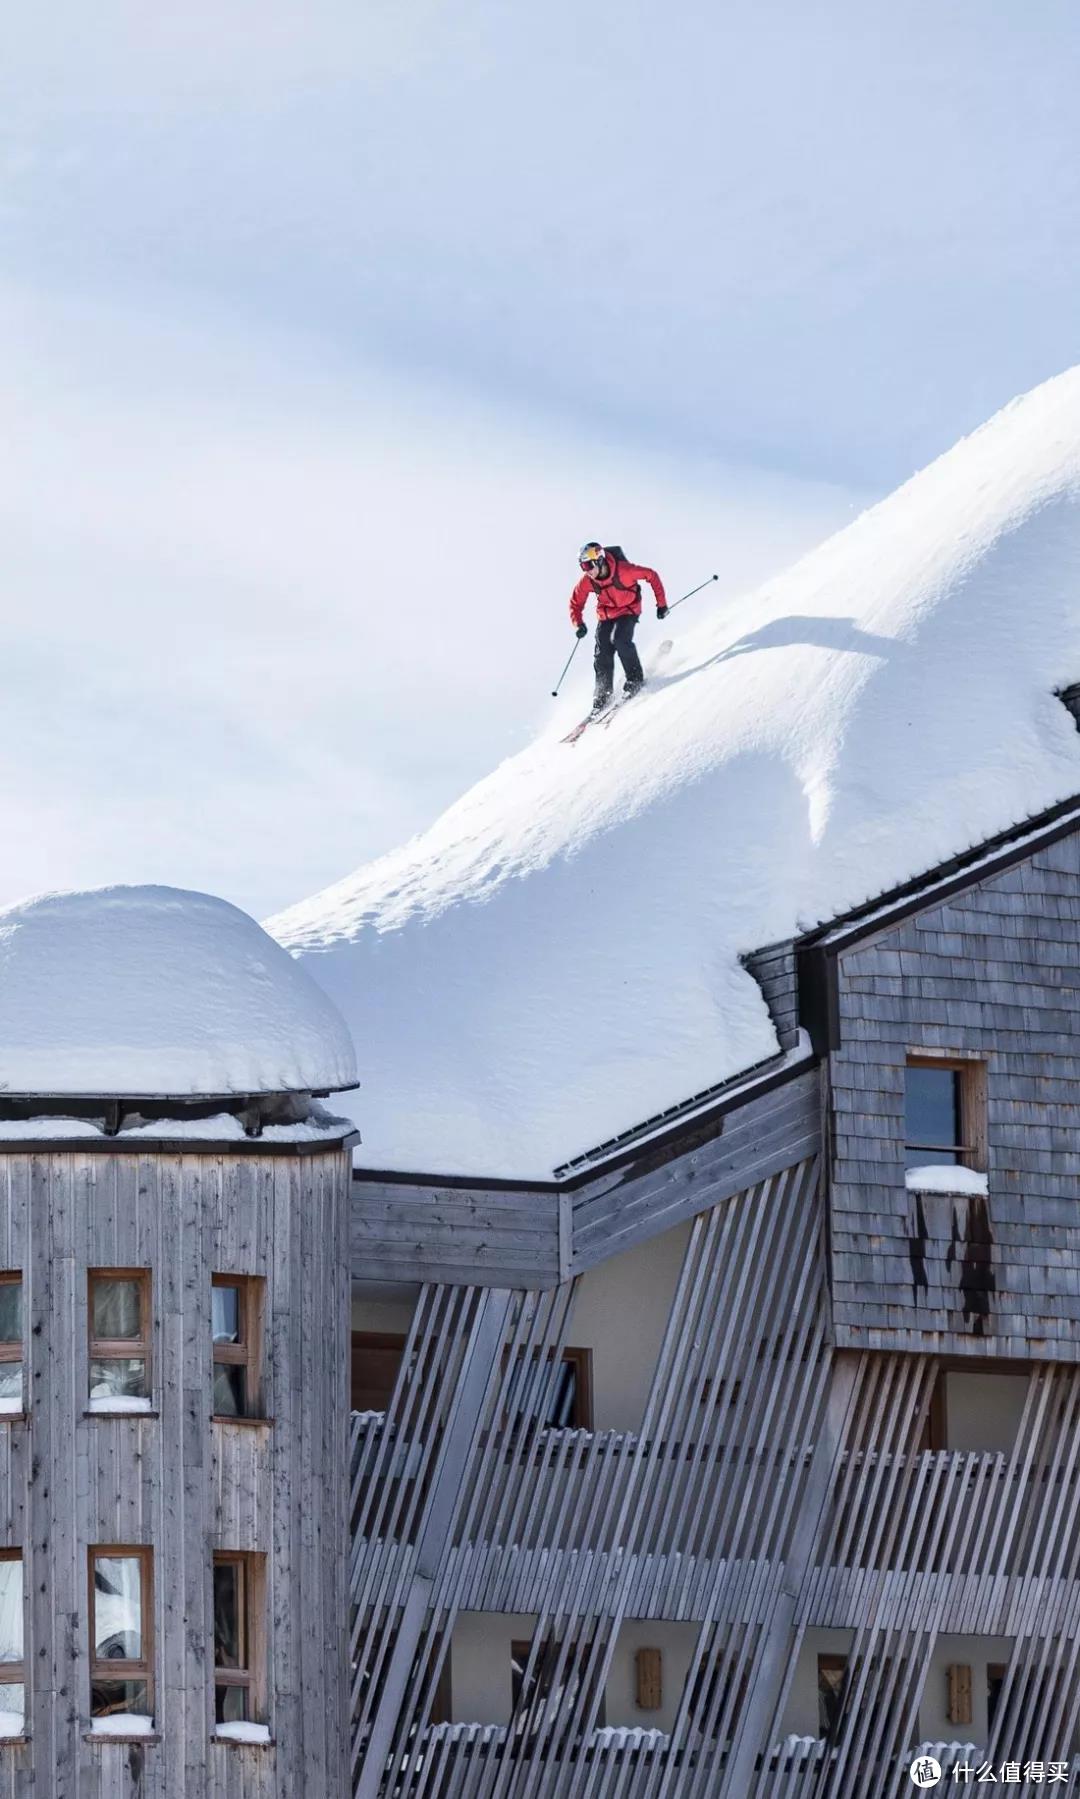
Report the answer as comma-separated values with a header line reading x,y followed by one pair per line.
x,y
155,991
558,956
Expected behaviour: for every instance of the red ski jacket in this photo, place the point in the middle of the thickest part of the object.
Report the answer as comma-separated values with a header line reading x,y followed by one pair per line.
x,y
617,593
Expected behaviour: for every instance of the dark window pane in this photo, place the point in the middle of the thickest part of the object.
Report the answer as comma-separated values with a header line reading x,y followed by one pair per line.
x,y
10,1311
227,1601
932,1112
231,1704
832,1678
228,1390
116,1307
110,1696
519,1657
546,1389
374,1371
118,1608
995,1680
124,1378
225,1314
561,1411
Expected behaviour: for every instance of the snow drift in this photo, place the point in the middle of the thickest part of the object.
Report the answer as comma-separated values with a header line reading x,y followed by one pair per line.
x,y
558,956
156,991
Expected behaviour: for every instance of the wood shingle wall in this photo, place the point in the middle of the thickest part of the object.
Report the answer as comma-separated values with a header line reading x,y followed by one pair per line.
x,y
992,973
774,970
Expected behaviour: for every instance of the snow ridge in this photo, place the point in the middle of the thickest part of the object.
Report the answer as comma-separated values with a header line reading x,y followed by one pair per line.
x,y
558,956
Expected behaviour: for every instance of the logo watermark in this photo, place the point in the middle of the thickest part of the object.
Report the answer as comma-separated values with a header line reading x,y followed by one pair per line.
x,y
926,1771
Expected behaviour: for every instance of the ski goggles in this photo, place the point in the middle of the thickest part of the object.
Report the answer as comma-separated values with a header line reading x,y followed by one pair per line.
x,y
592,555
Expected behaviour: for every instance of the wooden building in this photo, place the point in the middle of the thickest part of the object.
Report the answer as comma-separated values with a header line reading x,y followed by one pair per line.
x,y
173,1401
743,1457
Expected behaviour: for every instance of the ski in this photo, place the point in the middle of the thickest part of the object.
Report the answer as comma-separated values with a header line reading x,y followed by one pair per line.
x,y
589,719
658,655
608,712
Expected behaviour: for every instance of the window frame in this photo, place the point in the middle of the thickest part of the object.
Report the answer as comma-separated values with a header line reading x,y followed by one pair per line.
x,y
577,1356
831,1661
935,1431
971,1099
385,1341
104,1671
537,1691
248,1352
996,1673
250,1674
15,1349
13,1674
121,1349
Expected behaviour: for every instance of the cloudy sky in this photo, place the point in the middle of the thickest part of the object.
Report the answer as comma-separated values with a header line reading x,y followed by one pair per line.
x,y
332,329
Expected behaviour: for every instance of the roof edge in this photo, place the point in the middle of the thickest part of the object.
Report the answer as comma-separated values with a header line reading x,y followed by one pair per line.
x,y
177,1146
699,1118
979,863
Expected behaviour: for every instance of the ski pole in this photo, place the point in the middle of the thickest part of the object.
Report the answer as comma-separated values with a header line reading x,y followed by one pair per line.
x,y
693,591
562,677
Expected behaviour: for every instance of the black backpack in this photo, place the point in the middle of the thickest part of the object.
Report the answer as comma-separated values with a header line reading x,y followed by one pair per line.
x,y
616,554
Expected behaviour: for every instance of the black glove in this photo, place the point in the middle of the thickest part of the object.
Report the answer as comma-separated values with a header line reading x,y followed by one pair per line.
x,y
661,612
582,631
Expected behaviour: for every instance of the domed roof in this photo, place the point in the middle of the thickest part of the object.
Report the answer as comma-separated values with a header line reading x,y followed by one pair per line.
x,y
558,957
153,991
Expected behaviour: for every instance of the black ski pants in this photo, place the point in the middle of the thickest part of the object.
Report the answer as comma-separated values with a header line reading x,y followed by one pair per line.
x,y
615,635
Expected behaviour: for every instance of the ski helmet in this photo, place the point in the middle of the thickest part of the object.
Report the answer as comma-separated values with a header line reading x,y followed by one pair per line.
x,y
590,552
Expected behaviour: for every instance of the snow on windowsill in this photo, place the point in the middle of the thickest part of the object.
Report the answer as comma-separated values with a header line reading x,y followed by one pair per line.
x,y
12,1724
11,1407
118,1402
122,1724
948,1178
241,1732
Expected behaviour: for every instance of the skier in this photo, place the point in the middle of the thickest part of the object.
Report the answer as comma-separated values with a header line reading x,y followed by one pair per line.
x,y
607,574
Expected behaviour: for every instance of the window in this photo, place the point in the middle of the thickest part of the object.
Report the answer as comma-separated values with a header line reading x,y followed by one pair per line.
x,y
935,1431
553,1675
539,1683
944,1112
11,1343
831,1684
12,1675
121,1632
995,1680
236,1326
975,1408
119,1322
557,1390
376,1358
239,1655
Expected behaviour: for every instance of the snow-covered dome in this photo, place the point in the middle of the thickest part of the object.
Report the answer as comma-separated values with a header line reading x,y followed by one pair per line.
x,y
153,991
557,958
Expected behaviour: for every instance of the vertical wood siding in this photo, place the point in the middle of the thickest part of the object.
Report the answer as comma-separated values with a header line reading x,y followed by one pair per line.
x,y
176,1481
776,1486
693,1516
